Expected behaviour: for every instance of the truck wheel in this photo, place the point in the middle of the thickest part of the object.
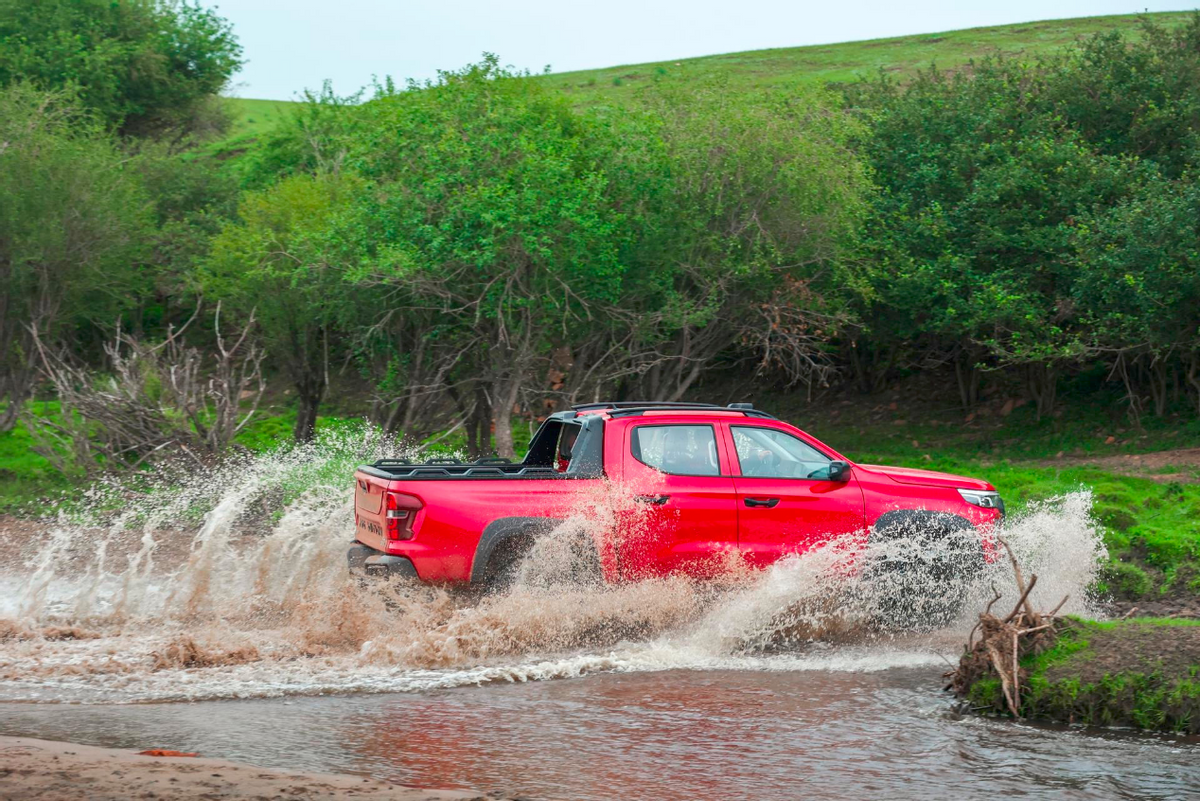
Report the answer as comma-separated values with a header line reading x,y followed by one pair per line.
x,y
505,563
921,569
356,558
560,558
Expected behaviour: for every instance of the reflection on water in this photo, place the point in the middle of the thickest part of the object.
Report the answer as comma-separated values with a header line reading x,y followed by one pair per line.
x,y
676,734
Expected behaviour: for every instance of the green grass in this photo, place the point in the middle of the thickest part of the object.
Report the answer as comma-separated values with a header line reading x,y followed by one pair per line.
x,y
757,69
25,477
252,117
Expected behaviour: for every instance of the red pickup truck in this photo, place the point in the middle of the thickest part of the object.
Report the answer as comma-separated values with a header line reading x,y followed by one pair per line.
x,y
712,481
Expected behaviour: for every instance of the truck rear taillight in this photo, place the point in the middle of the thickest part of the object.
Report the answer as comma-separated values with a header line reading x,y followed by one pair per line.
x,y
401,509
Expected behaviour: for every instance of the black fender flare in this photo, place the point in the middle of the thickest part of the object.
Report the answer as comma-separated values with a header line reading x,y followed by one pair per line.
x,y
502,530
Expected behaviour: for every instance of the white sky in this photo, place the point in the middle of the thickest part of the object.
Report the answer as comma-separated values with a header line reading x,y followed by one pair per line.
x,y
295,44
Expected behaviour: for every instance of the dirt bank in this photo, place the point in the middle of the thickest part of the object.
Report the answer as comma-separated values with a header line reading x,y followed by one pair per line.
x,y
43,769
1178,465
1139,673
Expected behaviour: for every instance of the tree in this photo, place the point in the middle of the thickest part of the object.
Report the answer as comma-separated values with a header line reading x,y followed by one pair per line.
x,y
279,264
981,185
1139,287
73,220
146,67
488,209
749,206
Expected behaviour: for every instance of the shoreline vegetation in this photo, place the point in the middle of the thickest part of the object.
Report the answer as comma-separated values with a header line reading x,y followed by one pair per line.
x,y
1134,672
1137,673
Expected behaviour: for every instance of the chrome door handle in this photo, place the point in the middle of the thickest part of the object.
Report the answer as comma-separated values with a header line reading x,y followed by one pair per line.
x,y
657,500
770,503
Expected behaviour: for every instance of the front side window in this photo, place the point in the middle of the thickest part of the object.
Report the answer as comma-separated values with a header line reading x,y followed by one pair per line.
x,y
678,450
767,453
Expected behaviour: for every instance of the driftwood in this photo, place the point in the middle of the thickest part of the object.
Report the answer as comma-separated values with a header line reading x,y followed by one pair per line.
x,y
158,402
1003,641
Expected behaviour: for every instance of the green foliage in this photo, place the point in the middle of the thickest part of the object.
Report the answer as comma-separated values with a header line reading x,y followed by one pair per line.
x,y
492,209
1126,580
73,222
1141,285
25,476
144,66
492,227
1038,214
275,265
478,247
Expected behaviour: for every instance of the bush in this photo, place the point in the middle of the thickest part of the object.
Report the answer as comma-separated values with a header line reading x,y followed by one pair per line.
x,y
144,66
1126,581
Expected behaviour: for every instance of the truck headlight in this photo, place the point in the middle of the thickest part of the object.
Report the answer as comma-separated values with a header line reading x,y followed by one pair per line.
x,y
981,498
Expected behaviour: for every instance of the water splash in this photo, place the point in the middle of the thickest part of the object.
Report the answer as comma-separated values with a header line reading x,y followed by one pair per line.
x,y
232,583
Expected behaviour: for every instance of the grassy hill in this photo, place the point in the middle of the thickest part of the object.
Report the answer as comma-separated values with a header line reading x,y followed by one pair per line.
x,y
252,117
849,60
764,68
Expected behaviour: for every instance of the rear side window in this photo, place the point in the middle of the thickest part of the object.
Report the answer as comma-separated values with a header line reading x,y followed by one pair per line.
x,y
678,450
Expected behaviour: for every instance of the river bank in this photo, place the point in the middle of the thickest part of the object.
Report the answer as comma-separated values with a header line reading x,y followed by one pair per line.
x,y
46,769
1139,673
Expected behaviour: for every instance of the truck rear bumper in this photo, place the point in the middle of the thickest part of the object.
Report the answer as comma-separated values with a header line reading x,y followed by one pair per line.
x,y
365,560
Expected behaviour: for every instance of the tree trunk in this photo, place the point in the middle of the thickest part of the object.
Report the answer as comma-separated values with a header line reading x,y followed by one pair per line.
x,y
502,414
1159,377
310,393
968,379
1041,379
1192,374
10,413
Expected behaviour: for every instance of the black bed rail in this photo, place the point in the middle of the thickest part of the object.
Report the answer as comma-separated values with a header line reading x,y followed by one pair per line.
x,y
440,467
419,471
486,460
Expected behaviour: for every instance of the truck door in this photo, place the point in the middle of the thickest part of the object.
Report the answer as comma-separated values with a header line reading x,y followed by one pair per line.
x,y
686,520
786,503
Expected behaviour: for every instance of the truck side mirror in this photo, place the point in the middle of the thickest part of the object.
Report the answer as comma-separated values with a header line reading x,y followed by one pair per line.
x,y
839,470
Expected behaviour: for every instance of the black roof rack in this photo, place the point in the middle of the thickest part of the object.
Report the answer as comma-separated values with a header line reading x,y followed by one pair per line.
x,y
583,407
633,408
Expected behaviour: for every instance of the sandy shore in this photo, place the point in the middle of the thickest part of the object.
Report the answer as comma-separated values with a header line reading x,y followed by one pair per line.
x,y
50,771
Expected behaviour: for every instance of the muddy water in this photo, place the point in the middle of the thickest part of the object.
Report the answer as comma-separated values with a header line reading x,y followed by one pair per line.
x,y
675,734
228,591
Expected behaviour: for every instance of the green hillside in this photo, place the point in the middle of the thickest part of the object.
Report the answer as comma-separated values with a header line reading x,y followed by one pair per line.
x,y
255,116
849,60
762,68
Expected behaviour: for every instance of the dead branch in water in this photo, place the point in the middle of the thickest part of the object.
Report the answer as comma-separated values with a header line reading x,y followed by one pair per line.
x,y
1004,641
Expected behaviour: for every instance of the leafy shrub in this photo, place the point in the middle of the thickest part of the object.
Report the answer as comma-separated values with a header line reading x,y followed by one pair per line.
x,y
1126,581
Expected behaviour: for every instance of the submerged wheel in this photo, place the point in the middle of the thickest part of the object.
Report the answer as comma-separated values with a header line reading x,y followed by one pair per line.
x,y
557,558
504,565
922,566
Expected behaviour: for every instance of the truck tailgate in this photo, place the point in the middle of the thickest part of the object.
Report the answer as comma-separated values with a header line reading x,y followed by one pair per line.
x,y
369,524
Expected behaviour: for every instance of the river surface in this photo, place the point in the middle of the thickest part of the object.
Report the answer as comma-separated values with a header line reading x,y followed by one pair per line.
x,y
673,734
216,615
